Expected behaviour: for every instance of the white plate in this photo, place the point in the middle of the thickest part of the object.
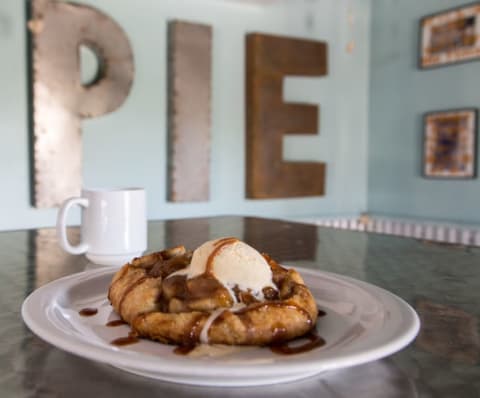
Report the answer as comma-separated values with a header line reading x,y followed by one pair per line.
x,y
363,323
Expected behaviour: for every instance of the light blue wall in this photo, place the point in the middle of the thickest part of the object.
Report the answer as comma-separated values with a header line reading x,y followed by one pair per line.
x,y
128,147
400,94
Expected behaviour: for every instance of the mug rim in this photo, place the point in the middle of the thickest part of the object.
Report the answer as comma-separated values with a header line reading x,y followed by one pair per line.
x,y
112,189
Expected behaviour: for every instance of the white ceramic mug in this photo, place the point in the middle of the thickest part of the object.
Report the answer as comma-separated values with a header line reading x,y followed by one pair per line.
x,y
113,227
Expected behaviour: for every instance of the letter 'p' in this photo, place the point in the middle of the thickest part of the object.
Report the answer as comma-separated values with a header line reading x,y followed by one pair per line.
x,y
60,100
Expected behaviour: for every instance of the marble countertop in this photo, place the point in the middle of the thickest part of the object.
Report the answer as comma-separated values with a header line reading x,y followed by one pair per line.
x,y
441,281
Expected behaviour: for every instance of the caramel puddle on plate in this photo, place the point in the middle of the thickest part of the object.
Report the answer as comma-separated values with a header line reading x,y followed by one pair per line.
x,y
88,311
116,322
290,348
121,341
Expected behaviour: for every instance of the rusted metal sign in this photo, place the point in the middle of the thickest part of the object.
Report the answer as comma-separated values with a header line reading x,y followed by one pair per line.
x,y
60,100
189,94
269,59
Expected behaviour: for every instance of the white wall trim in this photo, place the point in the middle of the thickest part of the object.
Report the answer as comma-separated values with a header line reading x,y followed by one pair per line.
x,y
420,229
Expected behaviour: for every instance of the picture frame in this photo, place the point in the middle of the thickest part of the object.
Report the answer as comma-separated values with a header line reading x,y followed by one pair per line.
x,y
450,144
450,36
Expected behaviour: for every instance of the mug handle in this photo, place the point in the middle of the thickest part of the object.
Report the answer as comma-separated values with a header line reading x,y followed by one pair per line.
x,y
62,226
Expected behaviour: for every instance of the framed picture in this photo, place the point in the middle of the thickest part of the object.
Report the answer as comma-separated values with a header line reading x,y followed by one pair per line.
x,y
449,148
450,36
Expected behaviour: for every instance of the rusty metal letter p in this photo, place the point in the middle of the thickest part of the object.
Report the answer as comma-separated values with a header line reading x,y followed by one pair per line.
x,y
60,100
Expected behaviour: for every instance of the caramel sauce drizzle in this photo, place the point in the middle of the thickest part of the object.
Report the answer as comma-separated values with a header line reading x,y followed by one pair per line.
x,y
130,339
314,341
129,289
183,349
116,322
88,311
218,246
192,338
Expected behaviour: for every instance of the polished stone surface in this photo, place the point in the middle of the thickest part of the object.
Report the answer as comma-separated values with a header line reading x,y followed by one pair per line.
x,y
441,281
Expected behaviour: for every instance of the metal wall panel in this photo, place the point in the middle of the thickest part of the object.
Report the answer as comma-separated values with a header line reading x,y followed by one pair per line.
x,y
189,95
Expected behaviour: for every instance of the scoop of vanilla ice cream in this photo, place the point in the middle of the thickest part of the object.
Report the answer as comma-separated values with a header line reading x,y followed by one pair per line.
x,y
233,263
